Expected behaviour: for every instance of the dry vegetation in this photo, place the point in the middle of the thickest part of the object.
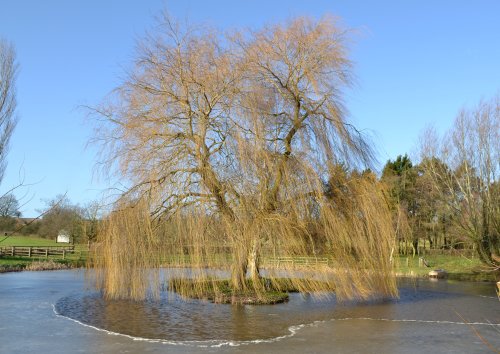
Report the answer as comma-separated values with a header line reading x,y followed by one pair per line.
x,y
46,265
237,147
464,168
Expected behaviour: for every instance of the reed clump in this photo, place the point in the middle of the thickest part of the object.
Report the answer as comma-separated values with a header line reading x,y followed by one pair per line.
x,y
46,265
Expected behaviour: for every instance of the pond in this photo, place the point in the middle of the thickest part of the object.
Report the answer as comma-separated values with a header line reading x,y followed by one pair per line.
x,y
56,312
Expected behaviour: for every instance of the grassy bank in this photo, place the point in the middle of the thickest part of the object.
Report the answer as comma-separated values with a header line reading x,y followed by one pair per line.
x,y
221,292
19,240
458,267
17,264
71,260
266,291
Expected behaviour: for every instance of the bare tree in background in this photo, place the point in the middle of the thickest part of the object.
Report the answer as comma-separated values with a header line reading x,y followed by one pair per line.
x,y
91,215
470,184
9,206
8,70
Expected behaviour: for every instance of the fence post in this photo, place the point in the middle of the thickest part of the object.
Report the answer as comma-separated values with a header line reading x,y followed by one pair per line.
x,y
46,252
12,251
29,252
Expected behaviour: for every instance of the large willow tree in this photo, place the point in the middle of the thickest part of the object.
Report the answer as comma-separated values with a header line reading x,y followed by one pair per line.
x,y
238,146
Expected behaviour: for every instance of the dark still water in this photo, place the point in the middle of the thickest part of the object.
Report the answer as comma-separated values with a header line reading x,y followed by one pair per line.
x,y
174,319
55,312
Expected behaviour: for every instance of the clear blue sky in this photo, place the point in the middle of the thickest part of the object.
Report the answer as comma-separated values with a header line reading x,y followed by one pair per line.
x,y
417,63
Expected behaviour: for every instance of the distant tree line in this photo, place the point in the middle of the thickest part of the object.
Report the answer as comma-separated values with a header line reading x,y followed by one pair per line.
x,y
80,222
451,198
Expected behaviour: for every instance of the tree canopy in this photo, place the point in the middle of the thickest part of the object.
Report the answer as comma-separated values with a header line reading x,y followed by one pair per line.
x,y
8,103
465,170
230,139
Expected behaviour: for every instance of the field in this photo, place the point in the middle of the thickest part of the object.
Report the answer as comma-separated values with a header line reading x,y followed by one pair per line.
x,y
457,266
17,263
29,241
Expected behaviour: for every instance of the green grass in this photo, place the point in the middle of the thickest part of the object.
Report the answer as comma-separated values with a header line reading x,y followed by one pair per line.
x,y
17,240
75,259
14,261
457,267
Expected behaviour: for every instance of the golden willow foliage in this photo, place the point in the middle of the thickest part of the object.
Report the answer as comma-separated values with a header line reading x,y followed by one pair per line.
x,y
233,146
128,254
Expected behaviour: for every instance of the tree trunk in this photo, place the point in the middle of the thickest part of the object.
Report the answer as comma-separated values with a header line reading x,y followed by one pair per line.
x,y
484,251
254,261
415,247
239,271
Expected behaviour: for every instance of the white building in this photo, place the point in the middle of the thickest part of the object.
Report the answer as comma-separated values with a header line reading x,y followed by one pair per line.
x,y
63,237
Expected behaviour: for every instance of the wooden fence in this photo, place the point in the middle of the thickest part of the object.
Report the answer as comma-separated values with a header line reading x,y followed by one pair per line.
x,y
222,260
284,262
36,251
